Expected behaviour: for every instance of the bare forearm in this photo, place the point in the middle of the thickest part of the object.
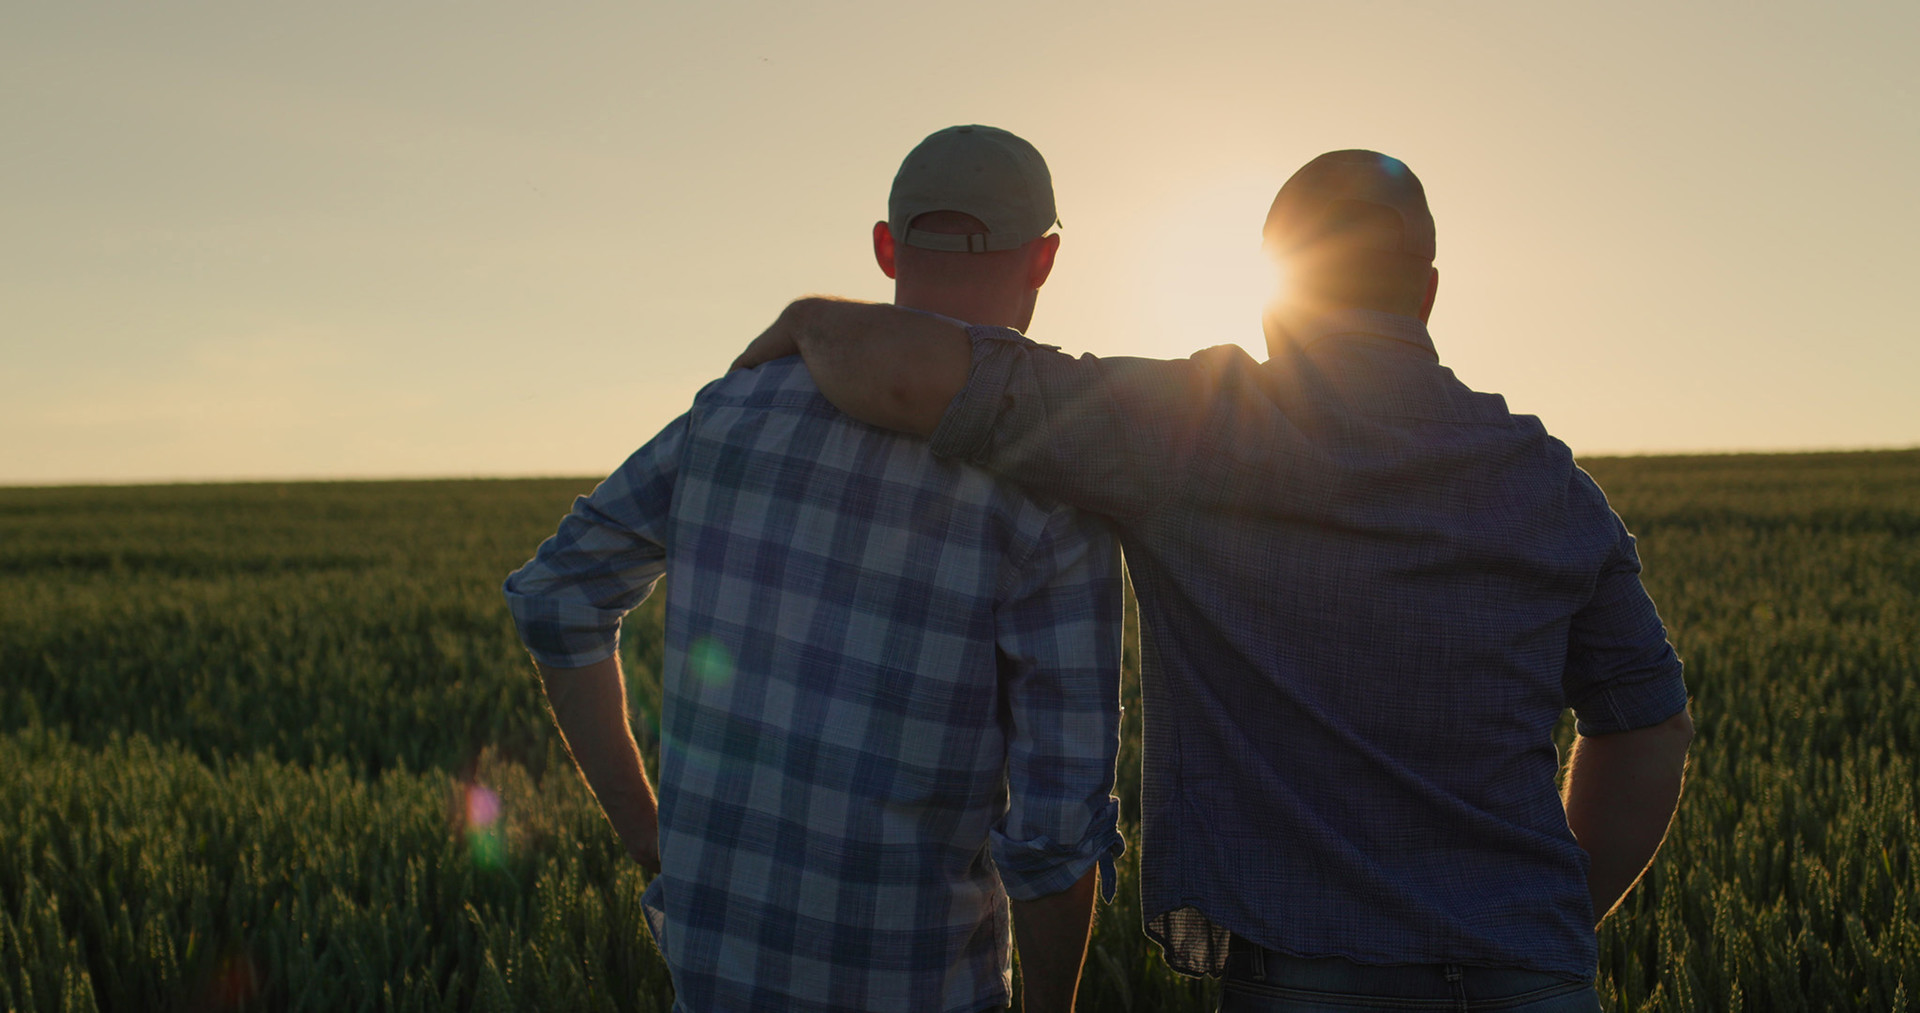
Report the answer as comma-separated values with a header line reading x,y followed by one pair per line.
x,y
885,366
590,707
1621,793
1052,932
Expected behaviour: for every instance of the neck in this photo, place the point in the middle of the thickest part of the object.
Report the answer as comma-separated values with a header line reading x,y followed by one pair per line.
x,y
1286,322
992,309
1282,321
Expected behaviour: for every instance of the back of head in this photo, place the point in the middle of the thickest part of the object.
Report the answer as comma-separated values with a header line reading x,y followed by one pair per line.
x,y
968,209
1352,230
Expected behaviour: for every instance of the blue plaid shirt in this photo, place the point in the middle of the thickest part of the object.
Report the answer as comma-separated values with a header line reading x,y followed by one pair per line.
x,y
891,698
1366,595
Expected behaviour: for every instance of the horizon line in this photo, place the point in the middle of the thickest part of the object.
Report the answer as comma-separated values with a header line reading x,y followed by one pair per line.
x,y
531,476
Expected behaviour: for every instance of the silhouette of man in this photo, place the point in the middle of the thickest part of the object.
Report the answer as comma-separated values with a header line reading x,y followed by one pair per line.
x,y
1366,593
891,693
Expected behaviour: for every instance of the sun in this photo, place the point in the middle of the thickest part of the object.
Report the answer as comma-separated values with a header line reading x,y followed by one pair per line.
x,y
1206,277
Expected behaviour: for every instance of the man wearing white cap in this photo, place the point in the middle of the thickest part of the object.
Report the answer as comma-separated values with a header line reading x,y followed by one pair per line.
x,y
890,682
1367,593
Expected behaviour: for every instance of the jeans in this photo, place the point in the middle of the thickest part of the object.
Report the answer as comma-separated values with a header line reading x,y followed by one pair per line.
x,y
1262,981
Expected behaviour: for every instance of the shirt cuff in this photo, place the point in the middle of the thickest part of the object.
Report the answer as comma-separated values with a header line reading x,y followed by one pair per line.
x,y
1042,866
563,634
966,428
1619,707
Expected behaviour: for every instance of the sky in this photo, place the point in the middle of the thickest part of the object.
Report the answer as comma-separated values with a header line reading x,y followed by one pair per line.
x,y
249,241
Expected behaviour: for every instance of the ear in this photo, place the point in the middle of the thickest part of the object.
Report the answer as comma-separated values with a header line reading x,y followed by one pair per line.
x,y
1433,289
1041,264
883,248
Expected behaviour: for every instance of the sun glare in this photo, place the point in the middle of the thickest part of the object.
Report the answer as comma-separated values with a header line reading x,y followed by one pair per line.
x,y
1207,277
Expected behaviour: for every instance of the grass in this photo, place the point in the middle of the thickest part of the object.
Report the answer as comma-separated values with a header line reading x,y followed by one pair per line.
x,y
249,736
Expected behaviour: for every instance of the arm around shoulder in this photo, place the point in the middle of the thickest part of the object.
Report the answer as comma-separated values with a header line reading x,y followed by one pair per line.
x,y
888,367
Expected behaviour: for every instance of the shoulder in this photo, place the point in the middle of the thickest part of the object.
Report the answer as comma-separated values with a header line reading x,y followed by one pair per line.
x,y
774,382
1589,518
784,386
1224,359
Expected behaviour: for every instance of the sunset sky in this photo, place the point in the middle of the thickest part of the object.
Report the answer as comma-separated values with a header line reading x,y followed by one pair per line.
x,y
354,239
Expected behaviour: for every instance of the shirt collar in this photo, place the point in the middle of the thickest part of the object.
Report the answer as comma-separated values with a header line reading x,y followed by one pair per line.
x,y
1368,323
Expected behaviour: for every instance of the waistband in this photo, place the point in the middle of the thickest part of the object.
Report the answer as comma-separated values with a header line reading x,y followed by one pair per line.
x,y
1480,988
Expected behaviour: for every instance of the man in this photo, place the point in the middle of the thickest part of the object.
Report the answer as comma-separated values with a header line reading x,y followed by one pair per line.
x,y
1366,595
890,682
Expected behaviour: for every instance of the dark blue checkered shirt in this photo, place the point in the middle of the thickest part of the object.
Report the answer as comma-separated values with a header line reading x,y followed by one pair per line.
x,y
891,698
1367,593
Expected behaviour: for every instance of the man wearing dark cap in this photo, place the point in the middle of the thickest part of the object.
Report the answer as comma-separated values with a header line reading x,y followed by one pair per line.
x,y
1367,593
890,682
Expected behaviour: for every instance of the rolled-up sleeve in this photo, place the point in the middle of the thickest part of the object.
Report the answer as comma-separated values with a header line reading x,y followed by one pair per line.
x,y
1059,630
1621,672
1112,435
610,550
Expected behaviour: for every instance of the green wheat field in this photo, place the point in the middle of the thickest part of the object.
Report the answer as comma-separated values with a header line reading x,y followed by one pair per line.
x,y
275,747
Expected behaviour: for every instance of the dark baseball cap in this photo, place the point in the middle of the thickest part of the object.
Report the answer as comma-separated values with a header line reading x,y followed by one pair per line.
x,y
981,171
1307,206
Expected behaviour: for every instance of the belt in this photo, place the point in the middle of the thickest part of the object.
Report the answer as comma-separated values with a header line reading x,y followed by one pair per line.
x,y
1256,969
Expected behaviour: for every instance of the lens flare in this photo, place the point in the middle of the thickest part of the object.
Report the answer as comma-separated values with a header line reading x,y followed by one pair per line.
x,y
486,830
710,662
483,807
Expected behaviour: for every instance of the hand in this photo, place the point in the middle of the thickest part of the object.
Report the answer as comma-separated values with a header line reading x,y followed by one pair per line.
x,y
778,341
646,855
636,821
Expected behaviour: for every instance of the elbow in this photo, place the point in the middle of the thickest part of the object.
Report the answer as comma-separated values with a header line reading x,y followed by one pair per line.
x,y
896,400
